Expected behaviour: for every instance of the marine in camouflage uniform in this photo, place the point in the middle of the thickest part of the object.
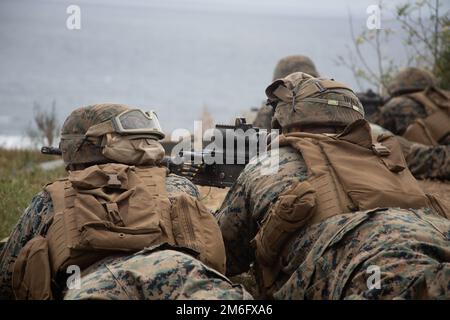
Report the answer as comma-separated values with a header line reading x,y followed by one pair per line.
x,y
158,272
429,162
332,259
424,162
284,67
401,111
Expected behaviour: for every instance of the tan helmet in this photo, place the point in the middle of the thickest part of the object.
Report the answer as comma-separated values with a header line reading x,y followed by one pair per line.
x,y
90,131
293,64
302,100
410,80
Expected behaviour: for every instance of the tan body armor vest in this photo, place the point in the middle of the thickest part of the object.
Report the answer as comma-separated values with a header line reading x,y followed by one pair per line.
x,y
113,208
436,125
346,173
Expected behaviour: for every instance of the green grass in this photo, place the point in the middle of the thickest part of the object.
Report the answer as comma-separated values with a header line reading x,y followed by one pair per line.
x,y
20,180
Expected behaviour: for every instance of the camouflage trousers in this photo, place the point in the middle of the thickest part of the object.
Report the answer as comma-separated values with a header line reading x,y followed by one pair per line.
x,y
158,275
382,254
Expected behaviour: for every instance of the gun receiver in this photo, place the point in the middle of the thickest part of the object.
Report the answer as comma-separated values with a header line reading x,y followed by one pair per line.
x,y
232,148
371,101
213,175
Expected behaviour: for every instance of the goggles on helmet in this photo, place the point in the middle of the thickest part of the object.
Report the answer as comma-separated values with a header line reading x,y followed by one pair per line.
x,y
129,122
136,121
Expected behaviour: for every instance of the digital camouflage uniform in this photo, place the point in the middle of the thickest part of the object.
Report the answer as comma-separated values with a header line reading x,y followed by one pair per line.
x,y
164,274
156,272
401,111
432,162
330,259
424,162
333,258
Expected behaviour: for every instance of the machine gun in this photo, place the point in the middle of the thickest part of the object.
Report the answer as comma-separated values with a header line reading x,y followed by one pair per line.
x,y
51,151
371,101
218,164
221,162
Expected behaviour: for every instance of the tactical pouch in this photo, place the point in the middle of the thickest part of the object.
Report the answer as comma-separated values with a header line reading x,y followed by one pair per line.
x,y
32,274
194,227
116,208
436,126
108,209
418,132
430,130
287,215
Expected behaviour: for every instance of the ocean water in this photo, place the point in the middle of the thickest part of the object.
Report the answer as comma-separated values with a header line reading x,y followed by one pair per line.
x,y
173,57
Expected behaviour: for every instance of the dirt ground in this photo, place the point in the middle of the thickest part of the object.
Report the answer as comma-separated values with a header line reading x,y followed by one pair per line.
x,y
212,197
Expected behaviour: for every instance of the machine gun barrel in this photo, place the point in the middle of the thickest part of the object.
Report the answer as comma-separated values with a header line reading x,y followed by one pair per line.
x,y
51,150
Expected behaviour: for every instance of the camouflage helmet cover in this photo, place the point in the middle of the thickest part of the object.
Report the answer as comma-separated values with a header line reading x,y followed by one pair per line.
x,y
76,146
302,100
291,64
410,80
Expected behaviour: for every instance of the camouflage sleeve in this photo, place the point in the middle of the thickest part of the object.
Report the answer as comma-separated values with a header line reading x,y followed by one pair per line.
x,y
398,113
432,162
27,227
176,184
248,201
235,221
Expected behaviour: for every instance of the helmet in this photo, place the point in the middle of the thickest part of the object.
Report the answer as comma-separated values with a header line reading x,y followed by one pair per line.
x,y
293,64
89,131
302,100
410,80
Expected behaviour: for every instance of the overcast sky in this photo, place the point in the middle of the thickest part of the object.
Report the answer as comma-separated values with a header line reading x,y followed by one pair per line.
x,y
294,7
